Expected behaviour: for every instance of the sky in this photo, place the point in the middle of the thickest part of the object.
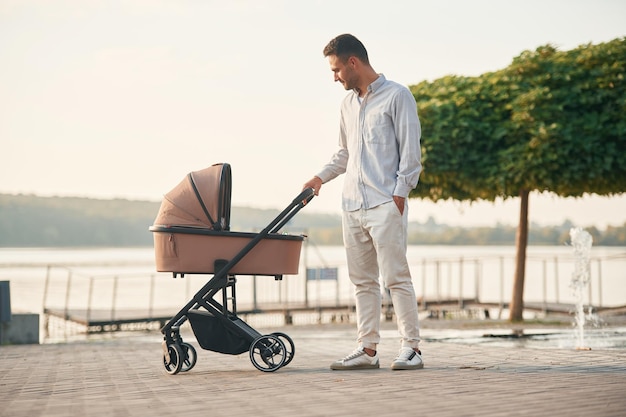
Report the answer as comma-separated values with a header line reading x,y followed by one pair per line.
x,y
121,99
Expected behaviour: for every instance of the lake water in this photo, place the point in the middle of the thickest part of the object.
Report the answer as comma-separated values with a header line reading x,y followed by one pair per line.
x,y
125,278
439,272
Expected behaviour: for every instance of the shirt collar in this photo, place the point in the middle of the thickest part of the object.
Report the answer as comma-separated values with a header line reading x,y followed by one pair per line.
x,y
375,85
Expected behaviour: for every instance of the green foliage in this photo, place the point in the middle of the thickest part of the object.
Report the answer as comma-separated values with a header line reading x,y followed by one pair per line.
x,y
551,121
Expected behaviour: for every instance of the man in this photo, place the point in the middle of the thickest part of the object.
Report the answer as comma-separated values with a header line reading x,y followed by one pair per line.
x,y
379,151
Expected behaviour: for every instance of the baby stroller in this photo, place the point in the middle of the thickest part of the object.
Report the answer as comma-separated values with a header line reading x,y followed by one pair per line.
x,y
192,236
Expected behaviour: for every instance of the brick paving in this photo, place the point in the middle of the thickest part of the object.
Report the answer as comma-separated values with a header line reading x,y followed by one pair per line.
x,y
124,376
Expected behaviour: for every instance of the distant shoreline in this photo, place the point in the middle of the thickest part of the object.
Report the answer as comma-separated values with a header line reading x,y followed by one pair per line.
x,y
30,221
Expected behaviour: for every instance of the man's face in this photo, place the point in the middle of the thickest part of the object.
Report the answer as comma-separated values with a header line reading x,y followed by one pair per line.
x,y
343,71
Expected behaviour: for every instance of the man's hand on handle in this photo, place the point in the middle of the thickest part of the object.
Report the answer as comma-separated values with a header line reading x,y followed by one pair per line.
x,y
315,183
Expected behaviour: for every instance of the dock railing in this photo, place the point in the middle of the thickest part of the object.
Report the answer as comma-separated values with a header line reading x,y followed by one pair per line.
x,y
111,301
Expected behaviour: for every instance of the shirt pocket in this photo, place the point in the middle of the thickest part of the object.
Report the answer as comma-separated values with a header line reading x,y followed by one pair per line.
x,y
378,129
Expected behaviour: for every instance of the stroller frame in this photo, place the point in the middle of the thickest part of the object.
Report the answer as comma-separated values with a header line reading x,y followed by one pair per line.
x,y
209,316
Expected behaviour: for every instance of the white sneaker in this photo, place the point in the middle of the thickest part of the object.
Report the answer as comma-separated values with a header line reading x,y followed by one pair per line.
x,y
408,359
356,360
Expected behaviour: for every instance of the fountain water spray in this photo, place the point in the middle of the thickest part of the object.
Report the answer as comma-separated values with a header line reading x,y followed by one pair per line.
x,y
581,241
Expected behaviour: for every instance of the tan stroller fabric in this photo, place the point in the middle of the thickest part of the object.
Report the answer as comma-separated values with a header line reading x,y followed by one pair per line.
x,y
195,251
202,199
192,231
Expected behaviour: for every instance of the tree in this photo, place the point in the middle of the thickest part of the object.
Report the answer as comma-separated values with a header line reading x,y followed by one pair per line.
x,y
551,121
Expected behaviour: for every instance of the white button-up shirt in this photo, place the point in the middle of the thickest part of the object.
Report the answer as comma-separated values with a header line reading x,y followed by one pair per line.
x,y
379,146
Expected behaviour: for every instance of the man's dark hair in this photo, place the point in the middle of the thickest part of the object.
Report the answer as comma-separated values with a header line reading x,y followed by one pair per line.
x,y
344,46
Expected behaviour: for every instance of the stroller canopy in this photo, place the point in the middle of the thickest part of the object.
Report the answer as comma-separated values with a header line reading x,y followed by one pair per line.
x,y
202,199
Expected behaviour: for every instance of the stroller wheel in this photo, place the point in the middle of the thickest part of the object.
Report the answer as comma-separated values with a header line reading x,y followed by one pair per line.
x,y
189,356
268,353
172,359
289,346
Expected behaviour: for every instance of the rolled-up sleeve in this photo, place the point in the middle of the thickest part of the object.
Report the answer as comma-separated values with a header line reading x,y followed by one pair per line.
x,y
335,167
408,133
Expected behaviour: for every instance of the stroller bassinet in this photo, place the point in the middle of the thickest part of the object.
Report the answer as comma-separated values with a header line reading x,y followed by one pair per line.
x,y
192,231
192,236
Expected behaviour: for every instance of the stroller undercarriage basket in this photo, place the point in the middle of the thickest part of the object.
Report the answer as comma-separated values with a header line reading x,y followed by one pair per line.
x,y
212,334
192,236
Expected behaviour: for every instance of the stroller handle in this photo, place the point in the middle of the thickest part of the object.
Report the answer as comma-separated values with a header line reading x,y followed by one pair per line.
x,y
300,201
305,196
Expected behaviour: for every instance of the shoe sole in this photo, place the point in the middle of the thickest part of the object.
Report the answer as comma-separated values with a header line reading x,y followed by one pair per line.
x,y
406,367
340,367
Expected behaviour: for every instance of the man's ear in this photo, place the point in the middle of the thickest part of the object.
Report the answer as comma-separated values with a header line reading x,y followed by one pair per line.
x,y
353,61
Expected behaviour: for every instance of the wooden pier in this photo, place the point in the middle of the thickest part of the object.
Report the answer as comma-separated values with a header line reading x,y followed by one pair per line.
x,y
100,321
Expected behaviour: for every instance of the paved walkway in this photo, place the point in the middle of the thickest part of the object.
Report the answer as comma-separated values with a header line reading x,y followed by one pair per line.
x,y
125,377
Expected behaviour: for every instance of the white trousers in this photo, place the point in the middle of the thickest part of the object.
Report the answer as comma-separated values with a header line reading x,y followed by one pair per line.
x,y
376,244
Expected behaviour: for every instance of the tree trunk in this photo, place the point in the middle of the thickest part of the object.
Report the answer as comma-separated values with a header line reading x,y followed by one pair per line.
x,y
517,300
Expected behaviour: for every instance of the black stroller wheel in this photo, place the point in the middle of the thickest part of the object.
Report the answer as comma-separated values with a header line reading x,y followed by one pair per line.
x,y
289,346
268,353
172,360
189,355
